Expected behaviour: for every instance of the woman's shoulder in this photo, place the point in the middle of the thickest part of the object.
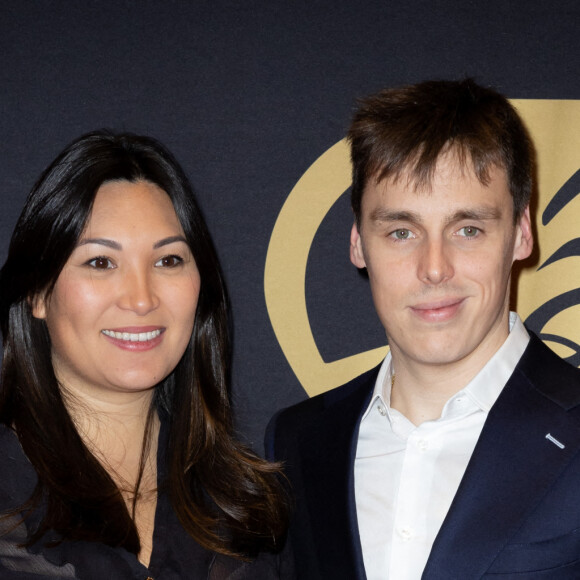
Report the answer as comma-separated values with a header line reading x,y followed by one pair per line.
x,y
11,452
17,476
266,567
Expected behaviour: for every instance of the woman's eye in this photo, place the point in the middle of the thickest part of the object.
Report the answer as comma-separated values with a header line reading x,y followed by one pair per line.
x,y
169,262
100,263
469,231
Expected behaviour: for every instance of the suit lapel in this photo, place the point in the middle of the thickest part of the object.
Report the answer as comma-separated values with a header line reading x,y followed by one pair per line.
x,y
328,452
512,467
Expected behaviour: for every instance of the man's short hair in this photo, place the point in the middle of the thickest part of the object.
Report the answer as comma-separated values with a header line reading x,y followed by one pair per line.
x,y
405,130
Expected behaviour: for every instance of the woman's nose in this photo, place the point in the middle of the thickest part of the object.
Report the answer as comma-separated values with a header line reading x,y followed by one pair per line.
x,y
138,293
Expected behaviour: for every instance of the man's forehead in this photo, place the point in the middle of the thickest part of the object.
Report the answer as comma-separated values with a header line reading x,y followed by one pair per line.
x,y
454,191
452,167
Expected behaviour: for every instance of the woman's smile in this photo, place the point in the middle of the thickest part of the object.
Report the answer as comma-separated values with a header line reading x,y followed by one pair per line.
x,y
134,340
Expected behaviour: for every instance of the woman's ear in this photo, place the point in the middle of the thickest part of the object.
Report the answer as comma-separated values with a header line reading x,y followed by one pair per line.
x,y
38,305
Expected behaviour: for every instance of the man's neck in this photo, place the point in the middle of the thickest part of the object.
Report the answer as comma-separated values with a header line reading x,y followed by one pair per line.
x,y
422,399
420,391
421,388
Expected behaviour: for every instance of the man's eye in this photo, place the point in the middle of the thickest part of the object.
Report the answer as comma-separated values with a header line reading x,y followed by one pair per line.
x,y
469,231
100,263
402,234
169,262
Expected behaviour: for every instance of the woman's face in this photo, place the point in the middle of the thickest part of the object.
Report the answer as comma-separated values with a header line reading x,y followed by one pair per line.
x,y
122,310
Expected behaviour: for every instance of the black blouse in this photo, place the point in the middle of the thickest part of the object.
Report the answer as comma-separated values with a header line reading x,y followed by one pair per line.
x,y
175,555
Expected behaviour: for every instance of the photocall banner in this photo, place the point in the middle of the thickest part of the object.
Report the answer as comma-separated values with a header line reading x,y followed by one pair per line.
x,y
547,293
254,98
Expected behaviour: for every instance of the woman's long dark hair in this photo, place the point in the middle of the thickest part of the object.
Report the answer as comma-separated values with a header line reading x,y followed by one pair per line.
x,y
227,498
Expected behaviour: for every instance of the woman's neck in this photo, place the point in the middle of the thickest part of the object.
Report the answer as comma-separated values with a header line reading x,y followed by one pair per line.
x,y
123,435
114,429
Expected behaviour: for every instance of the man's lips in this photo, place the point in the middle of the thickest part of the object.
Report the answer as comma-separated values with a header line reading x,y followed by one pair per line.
x,y
438,310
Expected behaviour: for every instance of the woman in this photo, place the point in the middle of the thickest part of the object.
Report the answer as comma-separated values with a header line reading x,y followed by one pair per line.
x,y
116,452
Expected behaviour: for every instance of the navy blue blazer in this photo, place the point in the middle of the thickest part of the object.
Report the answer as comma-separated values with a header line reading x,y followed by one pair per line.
x,y
516,514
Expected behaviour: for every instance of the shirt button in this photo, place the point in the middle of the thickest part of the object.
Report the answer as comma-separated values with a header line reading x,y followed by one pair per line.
x,y
382,410
422,445
405,533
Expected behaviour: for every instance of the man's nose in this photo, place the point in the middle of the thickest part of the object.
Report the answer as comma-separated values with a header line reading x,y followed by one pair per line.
x,y
435,265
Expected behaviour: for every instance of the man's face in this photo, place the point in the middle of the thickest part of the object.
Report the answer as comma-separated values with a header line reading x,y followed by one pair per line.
x,y
439,263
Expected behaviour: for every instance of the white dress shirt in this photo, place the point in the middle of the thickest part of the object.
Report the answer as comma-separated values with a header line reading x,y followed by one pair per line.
x,y
406,476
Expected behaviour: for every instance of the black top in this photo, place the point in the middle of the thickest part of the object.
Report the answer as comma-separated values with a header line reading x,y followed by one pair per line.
x,y
175,556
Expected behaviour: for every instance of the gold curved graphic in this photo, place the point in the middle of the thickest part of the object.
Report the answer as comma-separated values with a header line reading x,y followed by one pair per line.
x,y
555,128
285,274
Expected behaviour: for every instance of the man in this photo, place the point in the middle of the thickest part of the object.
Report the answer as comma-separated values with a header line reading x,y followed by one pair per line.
x,y
457,458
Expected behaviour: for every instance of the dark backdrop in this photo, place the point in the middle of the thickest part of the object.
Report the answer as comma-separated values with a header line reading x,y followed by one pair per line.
x,y
248,94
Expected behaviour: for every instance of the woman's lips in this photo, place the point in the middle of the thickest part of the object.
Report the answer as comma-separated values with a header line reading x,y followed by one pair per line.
x,y
438,311
134,338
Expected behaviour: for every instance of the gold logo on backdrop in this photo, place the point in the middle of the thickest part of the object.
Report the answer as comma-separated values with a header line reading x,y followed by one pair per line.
x,y
548,297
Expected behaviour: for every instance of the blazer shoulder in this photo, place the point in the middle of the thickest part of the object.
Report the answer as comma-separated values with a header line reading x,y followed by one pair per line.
x,y
554,377
302,416
313,407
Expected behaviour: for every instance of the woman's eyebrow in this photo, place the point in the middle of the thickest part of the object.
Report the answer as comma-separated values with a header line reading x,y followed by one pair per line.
x,y
169,240
102,242
117,246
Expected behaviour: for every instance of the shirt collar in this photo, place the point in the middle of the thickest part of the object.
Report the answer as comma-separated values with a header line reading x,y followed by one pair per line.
x,y
486,386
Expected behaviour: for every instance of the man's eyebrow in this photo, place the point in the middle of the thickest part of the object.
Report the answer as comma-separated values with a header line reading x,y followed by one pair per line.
x,y
382,214
117,246
476,214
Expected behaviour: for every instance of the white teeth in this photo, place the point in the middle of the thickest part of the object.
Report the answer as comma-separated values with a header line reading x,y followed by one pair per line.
x,y
132,337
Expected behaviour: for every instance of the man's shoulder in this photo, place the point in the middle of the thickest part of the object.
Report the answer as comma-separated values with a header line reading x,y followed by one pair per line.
x,y
360,386
302,416
553,376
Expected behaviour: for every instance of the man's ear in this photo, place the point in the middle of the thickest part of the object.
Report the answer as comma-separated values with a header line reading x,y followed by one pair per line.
x,y
524,236
38,305
356,251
